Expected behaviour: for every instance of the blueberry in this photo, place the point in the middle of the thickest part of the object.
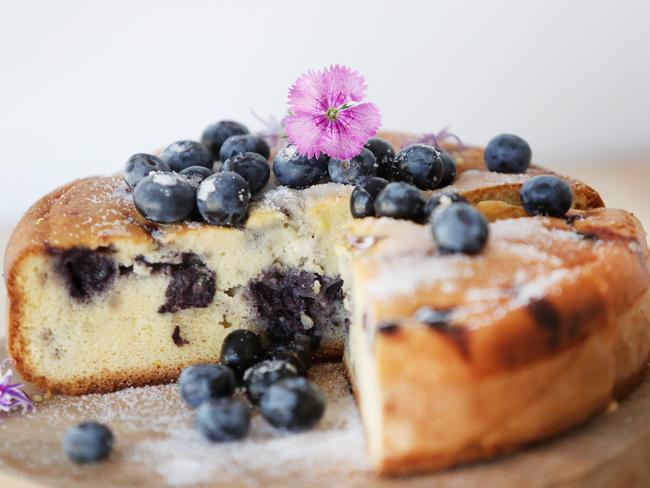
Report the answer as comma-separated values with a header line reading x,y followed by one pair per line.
x,y
183,154
164,197
348,171
215,135
259,377
253,167
421,165
223,198
223,419
362,200
296,171
244,143
459,228
196,174
444,198
140,165
292,404
546,195
294,353
400,201
385,155
507,153
88,442
449,169
202,382
240,350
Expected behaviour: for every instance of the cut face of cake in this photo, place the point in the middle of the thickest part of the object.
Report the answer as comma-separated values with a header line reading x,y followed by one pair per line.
x,y
101,298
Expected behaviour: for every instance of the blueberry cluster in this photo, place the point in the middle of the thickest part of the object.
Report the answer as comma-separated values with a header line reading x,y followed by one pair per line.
x,y
273,380
181,183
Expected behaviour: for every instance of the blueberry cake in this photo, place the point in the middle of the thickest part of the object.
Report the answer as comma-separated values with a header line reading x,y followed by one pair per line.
x,y
524,313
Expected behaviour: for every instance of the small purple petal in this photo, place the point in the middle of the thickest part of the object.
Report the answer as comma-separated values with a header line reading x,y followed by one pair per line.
x,y
11,394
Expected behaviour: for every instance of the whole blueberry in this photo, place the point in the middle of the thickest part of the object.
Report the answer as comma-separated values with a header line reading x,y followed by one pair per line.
x,y
183,154
459,228
507,153
244,143
546,195
362,200
253,167
88,442
164,197
449,169
400,201
140,165
240,350
259,377
223,419
348,171
294,353
293,404
296,171
202,382
223,198
216,134
196,174
385,155
421,165
444,198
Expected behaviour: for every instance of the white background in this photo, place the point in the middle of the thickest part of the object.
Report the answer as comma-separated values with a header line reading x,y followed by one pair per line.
x,y
85,84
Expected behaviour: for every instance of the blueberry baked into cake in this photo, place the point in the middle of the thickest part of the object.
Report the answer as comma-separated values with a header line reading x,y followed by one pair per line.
x,y
482,302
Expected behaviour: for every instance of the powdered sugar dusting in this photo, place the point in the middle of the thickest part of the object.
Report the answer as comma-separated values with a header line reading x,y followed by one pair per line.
x,y
155,438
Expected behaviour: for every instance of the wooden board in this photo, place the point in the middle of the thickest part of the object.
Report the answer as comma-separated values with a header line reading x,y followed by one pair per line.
x,y
157,446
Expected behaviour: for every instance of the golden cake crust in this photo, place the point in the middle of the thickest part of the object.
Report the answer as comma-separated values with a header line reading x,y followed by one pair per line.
x,y
549,302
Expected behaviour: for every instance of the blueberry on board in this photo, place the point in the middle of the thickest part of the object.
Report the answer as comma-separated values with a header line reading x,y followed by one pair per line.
x,y
183,154
253,167
362,200
546,195
196,174
240,350
400,201
202,382
507,153
259,377
348,171
459,228
449,169
244,143
88,442
223,419
164,197
216,134
292,352
223,198
297,171
420,165
140,165
385,155
444,198
292,404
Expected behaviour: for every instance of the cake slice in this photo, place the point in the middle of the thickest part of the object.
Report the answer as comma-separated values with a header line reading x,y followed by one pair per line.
x,y
455,358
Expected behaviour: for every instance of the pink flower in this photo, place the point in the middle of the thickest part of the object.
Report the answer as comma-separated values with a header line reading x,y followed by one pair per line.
x,y
327,116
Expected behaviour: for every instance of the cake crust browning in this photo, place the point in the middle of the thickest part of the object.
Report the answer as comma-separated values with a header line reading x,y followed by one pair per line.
x,y
519,359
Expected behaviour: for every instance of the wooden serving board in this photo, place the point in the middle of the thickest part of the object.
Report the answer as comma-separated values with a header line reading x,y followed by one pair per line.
x,y
157,446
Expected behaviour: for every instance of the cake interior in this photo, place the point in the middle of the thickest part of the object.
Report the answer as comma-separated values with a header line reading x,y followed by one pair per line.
x,y
162,304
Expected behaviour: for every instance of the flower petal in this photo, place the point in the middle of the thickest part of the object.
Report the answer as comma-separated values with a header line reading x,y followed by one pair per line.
x,y
351,130
305,131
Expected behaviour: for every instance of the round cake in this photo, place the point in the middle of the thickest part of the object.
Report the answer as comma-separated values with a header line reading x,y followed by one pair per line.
x,y
453,356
